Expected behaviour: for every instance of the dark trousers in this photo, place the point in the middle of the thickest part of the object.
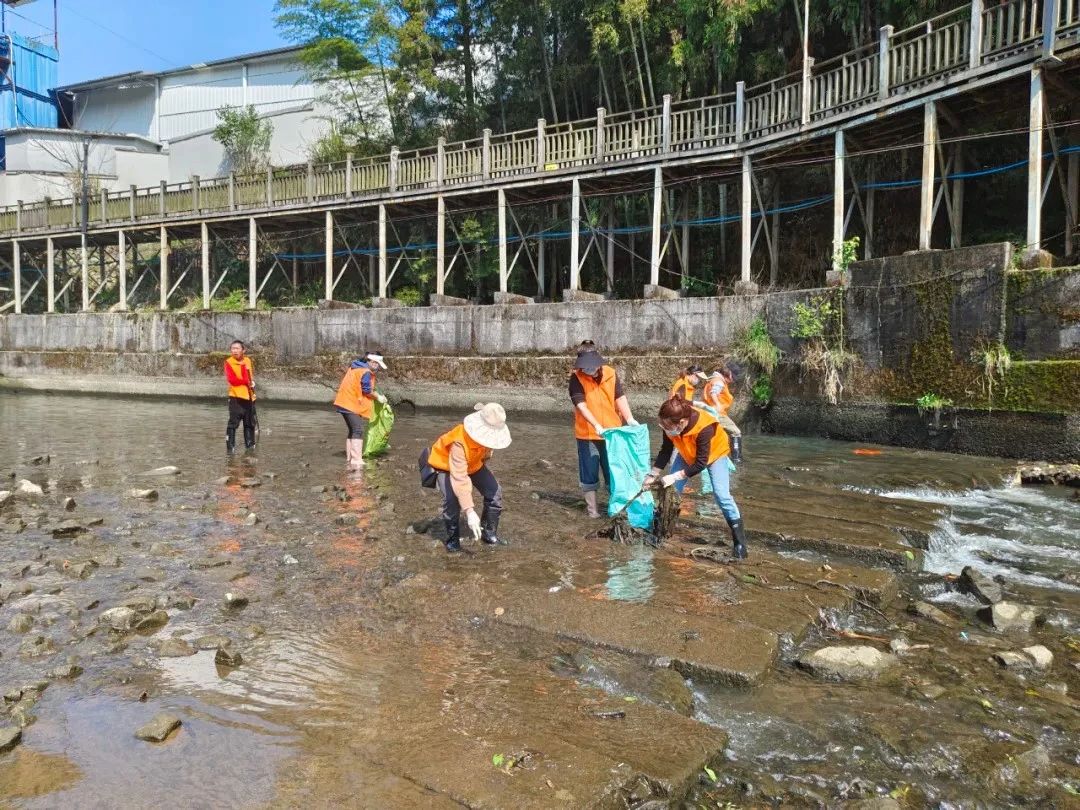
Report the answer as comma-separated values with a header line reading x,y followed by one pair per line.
x,y
241,410
484,480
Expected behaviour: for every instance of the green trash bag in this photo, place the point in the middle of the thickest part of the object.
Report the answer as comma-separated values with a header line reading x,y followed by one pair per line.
x,y
377,436
628,463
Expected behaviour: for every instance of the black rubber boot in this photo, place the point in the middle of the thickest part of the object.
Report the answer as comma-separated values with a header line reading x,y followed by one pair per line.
x,y
249,437
230,440
738,538
453,539
736,449
489,526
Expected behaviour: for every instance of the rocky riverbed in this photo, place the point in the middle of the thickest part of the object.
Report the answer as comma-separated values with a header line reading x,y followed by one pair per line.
x,y
269,630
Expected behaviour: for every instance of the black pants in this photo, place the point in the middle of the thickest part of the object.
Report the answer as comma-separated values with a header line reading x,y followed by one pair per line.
x,y
484,480
355,423
241,410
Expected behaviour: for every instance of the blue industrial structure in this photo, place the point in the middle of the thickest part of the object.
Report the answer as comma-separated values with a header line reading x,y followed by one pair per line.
x,y
29,72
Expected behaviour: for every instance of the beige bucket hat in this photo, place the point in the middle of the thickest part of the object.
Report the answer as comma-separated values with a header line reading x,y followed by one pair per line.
x,y
487,426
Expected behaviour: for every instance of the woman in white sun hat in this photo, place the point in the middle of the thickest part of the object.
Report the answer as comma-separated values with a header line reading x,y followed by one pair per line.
x,y
457,462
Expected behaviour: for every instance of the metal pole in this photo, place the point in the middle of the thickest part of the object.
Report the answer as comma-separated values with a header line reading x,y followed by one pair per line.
x,y
744,222
382,251
440,245
328,267
1035,162
504,272
657,205
50,275
16,274
926,188
838,199
253,262
575,234
1073,187
84,272
204,234
121,260
163,266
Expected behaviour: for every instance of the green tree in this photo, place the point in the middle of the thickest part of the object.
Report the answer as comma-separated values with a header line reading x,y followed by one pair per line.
x,y
245,137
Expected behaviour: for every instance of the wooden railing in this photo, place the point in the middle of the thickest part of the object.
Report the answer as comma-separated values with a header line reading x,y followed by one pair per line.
x,y
898,64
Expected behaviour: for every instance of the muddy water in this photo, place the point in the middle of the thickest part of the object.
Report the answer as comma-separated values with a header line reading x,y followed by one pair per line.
x,y
352,692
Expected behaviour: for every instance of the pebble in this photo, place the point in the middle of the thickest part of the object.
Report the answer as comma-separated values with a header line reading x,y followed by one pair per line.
x,y
168,470
1008,616
68,504
118,618
144,494
21,623
29,489
174,648
982,587
289,559
228,657
846,663
223,481
152,621
250,482
235,600
212,642
1040,656
10,736
64,672
251,519
159,728
925,610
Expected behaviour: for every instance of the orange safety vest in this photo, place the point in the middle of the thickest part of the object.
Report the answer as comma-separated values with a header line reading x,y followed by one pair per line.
x,y
242,370
475,454
682,388
600,399
722,401
686,442
351,397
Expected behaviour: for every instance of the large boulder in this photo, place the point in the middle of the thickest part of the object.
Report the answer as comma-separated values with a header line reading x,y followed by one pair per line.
x,y
1009,617
982,587
158,729
847,663
118,618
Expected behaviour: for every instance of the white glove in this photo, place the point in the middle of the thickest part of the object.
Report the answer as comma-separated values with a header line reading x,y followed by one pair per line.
x,y
669,480
599,430
632,421
473,520
381,398
650,479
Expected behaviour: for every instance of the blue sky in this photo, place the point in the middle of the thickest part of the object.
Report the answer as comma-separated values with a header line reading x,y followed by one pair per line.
x,y
102,37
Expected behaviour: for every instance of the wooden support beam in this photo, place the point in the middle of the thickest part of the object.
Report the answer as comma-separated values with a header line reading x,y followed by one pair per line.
x,y
1035,161
440,245
838,200
504,271
868,243
684,248
746,247
328,257
926,187
253,263
204,242
382,251
121,267
657,208
50,275
84,273
1073,209
884,36
975,29
957,208
610,259
1049,29
16,274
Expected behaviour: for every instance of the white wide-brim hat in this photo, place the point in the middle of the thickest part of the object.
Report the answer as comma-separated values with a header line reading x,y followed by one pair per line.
x,y
487,426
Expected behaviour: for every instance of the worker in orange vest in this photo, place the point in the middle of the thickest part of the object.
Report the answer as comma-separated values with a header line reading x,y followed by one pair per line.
x,y
599,403
457,462
238,374
717,394
353,401
701,444
689,380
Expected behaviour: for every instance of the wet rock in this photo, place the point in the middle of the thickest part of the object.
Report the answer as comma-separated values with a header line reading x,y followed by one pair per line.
x,y
876,803
212,642
141,603
82,570
289,559
28,489
120,618
168,470
5,496
319,490
251,519
544,464
1009,616
68,528
228,657
37,646
210,562
345,520
64,672
173,648
235,600
68,504
1041,657
931,691
143,494
21,623
10,736
223,481
152,621
846,663
37,461
924,610
147,574
248,483
1013,660
982,587
253,631
182,601
161,550
159,728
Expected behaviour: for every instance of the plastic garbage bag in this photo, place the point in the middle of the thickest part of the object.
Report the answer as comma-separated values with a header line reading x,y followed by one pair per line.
x,y
628,462
377,436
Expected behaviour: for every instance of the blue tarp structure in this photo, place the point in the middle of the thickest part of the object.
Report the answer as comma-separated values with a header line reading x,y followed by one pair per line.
x,y
628,462
377,435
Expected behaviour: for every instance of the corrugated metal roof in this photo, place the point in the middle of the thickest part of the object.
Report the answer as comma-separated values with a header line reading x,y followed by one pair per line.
x,y
32,73
143,75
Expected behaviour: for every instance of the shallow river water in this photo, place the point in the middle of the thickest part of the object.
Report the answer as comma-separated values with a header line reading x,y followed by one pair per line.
x,y
342,691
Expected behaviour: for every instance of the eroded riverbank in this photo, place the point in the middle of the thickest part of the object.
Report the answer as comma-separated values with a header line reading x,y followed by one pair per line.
x,y
376,671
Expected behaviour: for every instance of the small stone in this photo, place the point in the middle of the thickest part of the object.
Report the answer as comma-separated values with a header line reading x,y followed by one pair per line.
x,y
319,490
21,623
1040,656
253,631
251,519
118,618
182,601
931,691
846,663
982,587
212,642
158,729
1009,616
169,470
289,559
161,549
147,574
248,483
68,504
68,528
144,494
924,610
39,460
64,672
1013,660
5,496
223,481
345,520
899,646
10,736
228,657
152,621
544,464
235,600
28,489
143,603
174,648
